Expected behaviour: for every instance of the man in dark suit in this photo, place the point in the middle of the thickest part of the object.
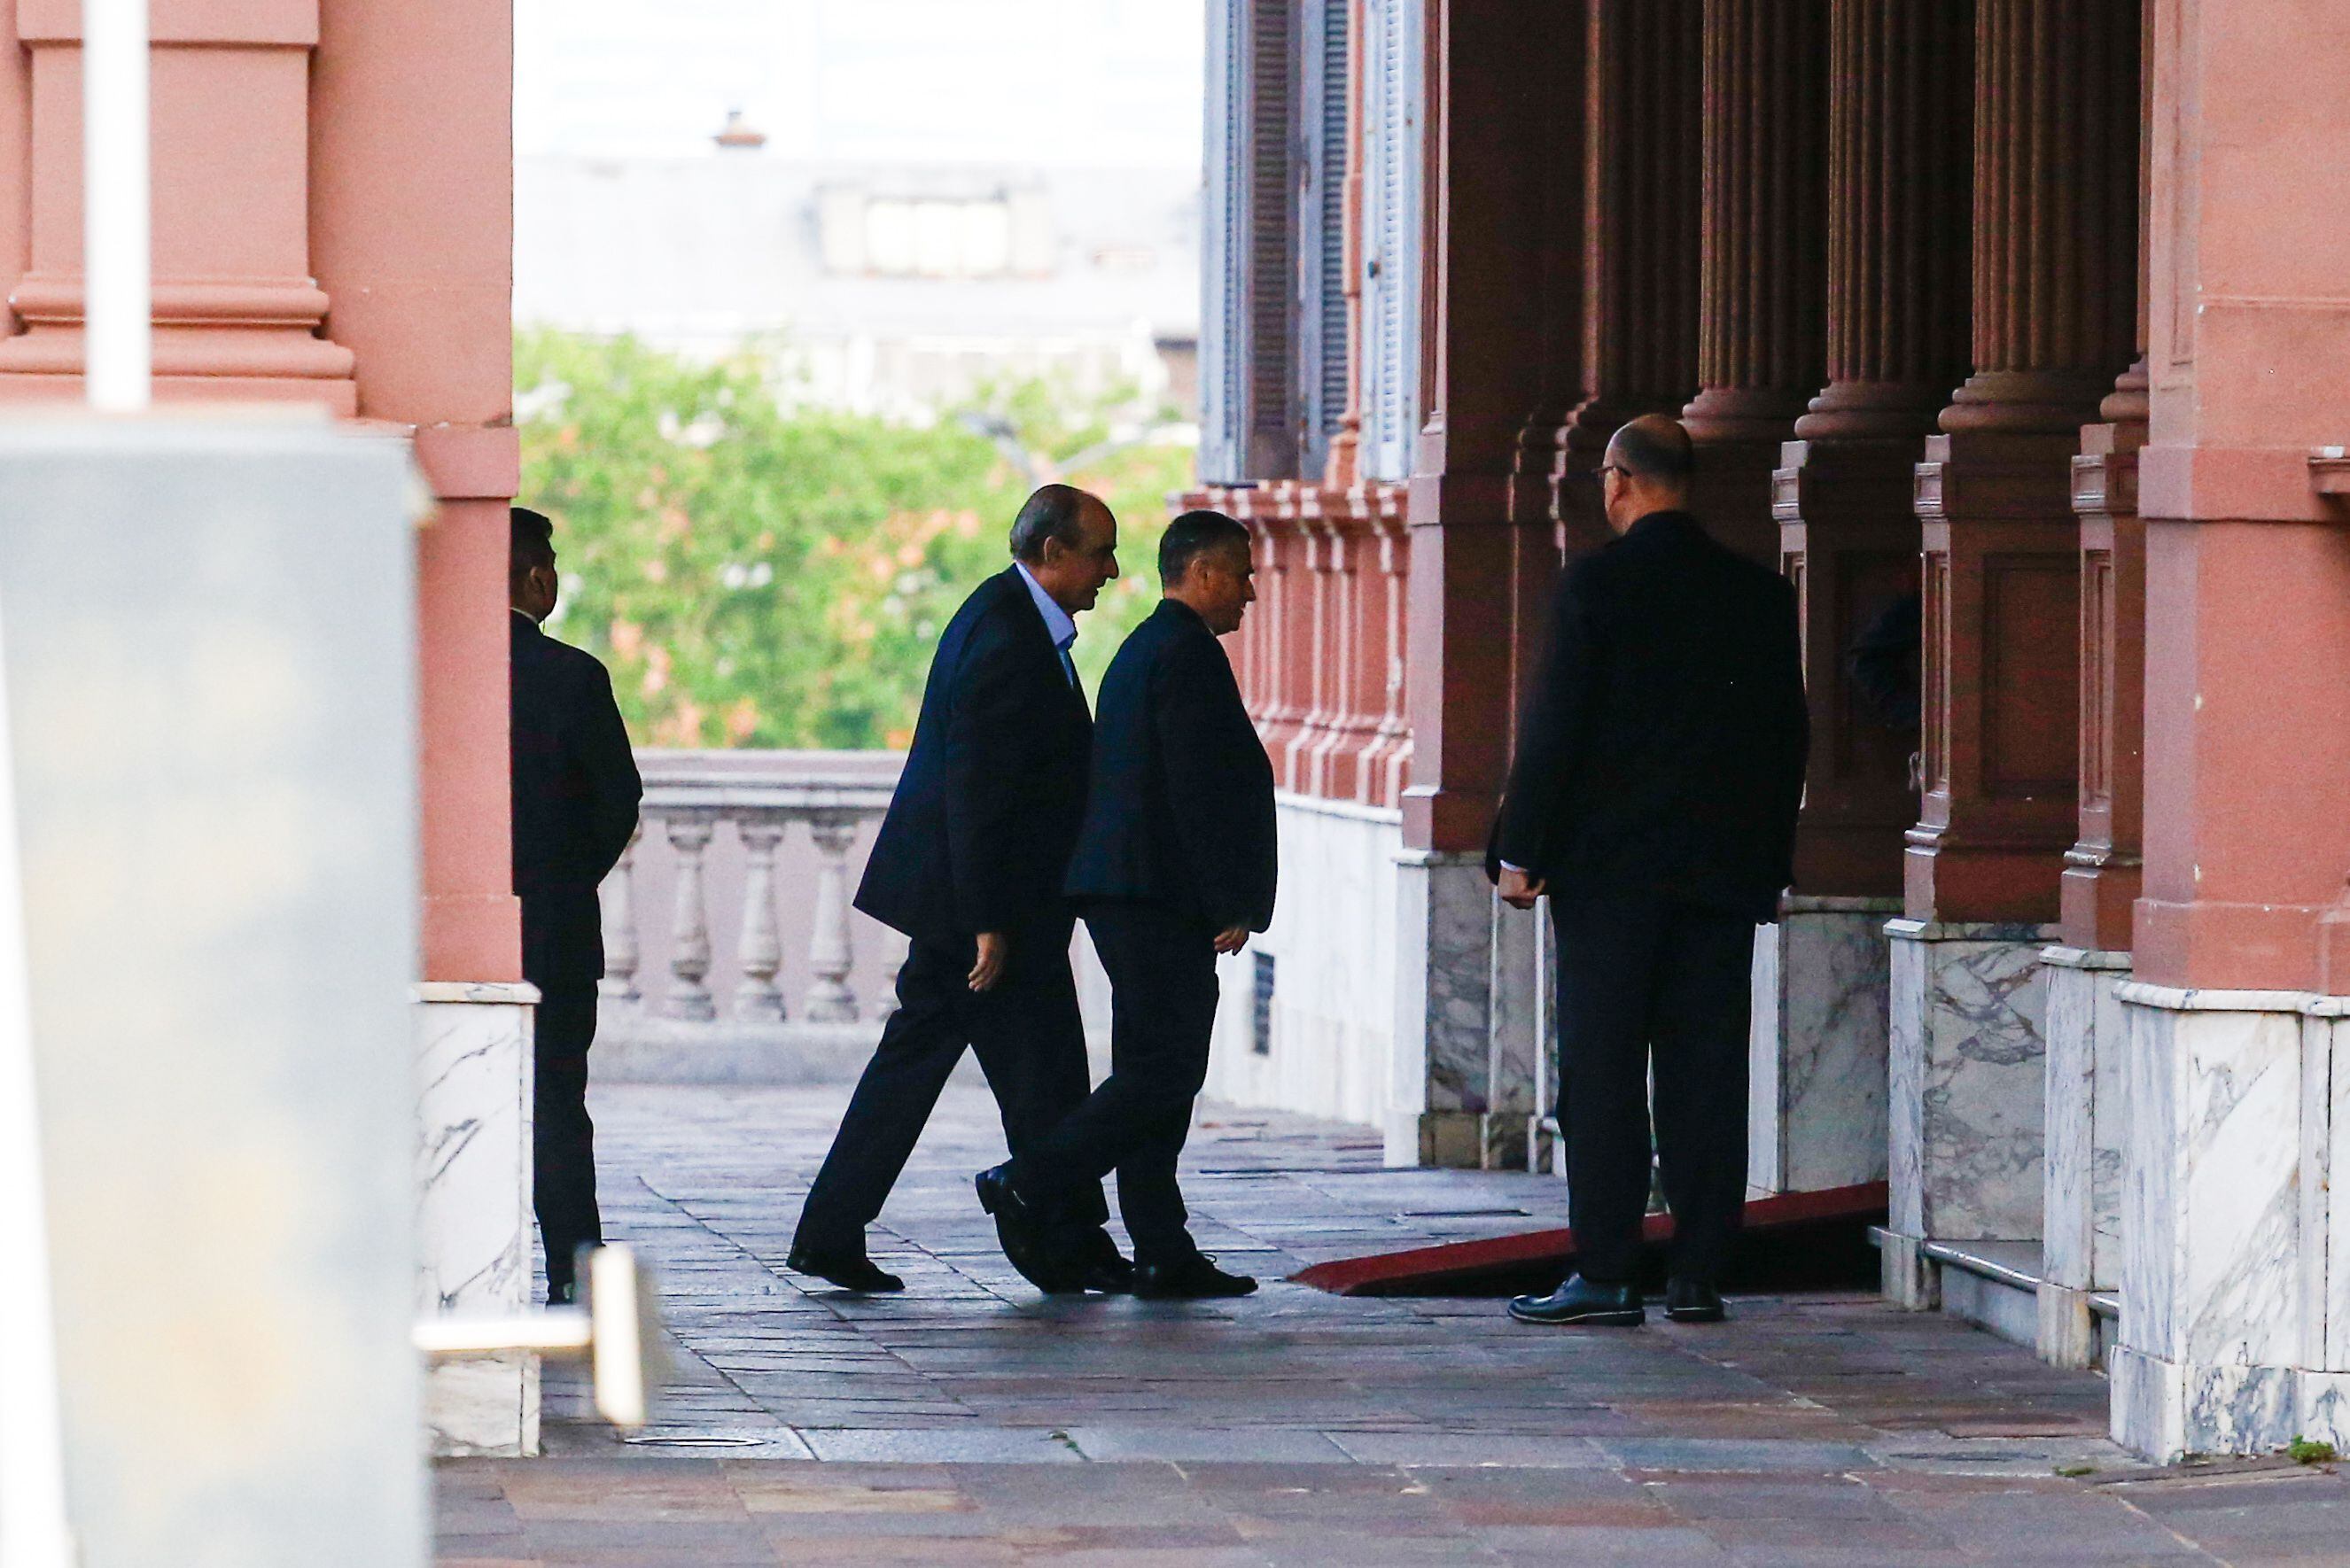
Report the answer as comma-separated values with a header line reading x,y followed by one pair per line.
x,y
1175,864
574,808
970,864
1658,769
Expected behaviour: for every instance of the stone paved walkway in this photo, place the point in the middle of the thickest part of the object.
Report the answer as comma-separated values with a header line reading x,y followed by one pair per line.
x,y
970,1420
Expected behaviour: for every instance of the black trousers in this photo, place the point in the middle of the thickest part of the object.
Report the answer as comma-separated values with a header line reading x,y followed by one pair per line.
x,y
563,955
1031,1042
1162,972
1640,976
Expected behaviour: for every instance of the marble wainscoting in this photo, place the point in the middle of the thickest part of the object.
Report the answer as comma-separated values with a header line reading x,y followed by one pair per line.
x,y
2235,1328
1442,990
473,1174
1332,952
1816,1067
1965,1103
2085,1119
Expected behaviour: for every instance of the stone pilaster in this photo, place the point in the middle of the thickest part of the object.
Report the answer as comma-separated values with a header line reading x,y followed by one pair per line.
x,y
237,311
1762,295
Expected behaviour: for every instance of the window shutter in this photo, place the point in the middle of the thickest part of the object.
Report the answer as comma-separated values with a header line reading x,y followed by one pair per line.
x,y
1247,337
1322,230
1394,106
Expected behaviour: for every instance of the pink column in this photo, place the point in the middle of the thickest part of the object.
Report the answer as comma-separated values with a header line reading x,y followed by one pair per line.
x,y
333,225
2248,556
237,311
411,234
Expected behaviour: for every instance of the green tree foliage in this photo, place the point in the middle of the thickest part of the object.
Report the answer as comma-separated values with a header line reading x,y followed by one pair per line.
x,y
755,577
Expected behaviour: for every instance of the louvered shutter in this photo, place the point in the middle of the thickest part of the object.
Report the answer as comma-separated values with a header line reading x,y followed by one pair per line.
x,y
1321,229
1247,347
1394,104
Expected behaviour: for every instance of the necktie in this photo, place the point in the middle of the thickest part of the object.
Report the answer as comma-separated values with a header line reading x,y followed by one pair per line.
x,y
1068,665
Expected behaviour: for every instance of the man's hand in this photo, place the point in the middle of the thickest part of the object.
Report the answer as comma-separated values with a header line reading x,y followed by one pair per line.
x,y
994,948
1520,888
1232,939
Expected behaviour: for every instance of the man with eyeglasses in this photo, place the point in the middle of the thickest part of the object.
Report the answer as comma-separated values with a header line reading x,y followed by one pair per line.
x,y
1653,798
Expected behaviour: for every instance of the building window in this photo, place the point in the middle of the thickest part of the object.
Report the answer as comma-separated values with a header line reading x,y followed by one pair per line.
x,y
927,238
1260,1012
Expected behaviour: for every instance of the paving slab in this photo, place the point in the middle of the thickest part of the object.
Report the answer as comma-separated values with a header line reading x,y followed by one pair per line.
x,y
970,1420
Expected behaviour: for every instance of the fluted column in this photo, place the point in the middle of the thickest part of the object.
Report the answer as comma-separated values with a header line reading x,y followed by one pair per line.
x,y
2055,265
1900,113
1762,299
1641,203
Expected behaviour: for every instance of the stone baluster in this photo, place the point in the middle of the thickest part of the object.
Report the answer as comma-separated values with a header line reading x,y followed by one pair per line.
x,y
617,897
830,955
688,953
758,999
1762,302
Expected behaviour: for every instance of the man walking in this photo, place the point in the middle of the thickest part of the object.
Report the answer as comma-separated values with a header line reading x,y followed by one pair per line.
x,y
1175,864
574,808
1659,770
970,864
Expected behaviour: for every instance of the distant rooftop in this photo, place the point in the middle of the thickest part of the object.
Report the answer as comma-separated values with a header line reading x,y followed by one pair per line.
x,y
703,252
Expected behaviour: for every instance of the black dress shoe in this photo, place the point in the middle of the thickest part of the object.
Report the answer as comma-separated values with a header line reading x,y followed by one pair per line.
x,y
1581,1301
849,1271
1018,1232
1692,1301
1101,1266
1188,1279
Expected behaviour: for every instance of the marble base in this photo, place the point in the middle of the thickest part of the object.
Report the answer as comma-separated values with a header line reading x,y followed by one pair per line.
x,y
1332,947
1440,1067
2235,1330
2081,1205
1816,1065
1964,1108
473,1204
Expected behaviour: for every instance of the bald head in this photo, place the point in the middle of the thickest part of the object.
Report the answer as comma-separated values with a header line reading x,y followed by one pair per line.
x,y
1647,469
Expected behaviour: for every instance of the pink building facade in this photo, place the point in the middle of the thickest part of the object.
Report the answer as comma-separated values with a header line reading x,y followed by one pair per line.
x,y
2029,308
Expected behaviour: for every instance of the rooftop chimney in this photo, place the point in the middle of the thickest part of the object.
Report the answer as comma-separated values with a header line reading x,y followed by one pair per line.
x,y
736,134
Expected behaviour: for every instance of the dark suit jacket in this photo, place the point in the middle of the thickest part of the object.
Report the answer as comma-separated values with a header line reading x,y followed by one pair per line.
x,y
978,835
1182,797
1663,747
574,802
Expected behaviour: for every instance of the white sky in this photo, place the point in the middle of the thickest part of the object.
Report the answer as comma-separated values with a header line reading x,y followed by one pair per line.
x,y
921,81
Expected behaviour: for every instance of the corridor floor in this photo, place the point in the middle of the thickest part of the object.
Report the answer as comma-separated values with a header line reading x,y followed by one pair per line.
x,y
970,1420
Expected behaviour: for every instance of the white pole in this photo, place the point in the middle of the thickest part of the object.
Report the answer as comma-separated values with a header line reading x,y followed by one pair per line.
x,y
117,249
35,1528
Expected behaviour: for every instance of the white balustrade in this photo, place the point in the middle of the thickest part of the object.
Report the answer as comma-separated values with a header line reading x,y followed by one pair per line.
x,y
739,853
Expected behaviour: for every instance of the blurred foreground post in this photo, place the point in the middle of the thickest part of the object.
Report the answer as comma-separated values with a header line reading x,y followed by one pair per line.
x,y
211,663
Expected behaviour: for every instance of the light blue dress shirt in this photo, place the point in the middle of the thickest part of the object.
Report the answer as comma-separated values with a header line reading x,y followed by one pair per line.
x,y
1059,624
